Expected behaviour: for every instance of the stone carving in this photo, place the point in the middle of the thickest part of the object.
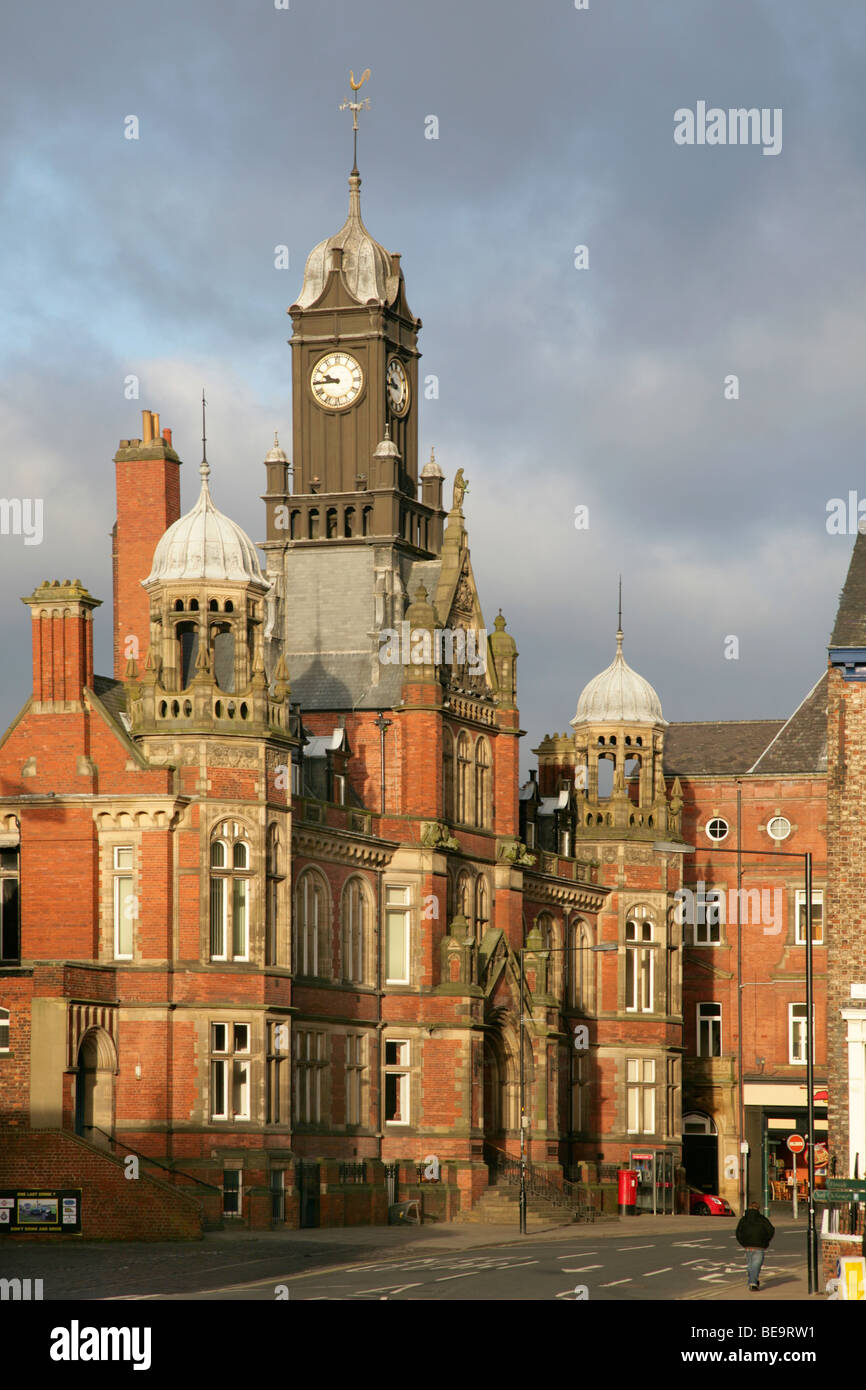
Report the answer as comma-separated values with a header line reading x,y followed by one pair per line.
x,y
515,852
221,755
461,487
435,835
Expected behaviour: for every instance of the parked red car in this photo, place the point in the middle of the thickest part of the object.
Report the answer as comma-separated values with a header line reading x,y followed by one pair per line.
x,y
704,1204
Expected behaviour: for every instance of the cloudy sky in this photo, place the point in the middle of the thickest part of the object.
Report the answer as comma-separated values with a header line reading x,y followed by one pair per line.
x,y
559,387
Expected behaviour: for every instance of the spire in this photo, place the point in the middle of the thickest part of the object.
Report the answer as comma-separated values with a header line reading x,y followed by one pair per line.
x,y
204,467
619,622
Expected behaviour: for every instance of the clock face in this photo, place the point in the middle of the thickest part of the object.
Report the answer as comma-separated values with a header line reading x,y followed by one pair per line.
x,y
397,386
336,380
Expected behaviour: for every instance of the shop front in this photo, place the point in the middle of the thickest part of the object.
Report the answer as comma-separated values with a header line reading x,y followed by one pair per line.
x,y
778,1169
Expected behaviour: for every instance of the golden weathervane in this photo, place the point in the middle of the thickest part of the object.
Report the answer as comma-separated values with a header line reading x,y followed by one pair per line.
x,y
355,107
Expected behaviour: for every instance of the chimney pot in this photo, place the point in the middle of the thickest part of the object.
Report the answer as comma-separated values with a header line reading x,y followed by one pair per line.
x,y
146,427
166,434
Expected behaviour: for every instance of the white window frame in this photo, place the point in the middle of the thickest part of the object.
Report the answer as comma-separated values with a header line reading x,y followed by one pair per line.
x,y
705,1023
401,1069
799,913
797,1028
640,1088
229,834
5,1028
355,922
121,899
717,820
231,1063
707,907
641,951
774,820
398,908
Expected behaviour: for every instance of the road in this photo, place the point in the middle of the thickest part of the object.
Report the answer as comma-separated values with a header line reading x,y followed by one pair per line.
x,y
614,1268
649,1259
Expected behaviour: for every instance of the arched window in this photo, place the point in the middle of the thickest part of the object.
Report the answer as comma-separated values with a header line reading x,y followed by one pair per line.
x,y
356,917
273,889
331,523
349,522
464,895
464,786
366,520
550,941
483,816
581,967
313,524
187,642
230,893
639,972
224,657
482,907
447,775
294,524
312,938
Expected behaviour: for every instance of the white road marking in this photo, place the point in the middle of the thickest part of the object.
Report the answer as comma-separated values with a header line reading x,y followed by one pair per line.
x,y
579,1269
613,1283
649,1274
635,1247
577,1255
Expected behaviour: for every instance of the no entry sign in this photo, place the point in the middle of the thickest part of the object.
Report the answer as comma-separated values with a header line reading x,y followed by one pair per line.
x,y
796,1143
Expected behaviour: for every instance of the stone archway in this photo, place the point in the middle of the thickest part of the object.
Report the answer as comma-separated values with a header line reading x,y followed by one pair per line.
x,y
94,1090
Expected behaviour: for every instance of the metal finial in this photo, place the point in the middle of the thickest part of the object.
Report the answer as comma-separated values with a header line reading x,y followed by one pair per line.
x,y
355,107
204,468
619,618
276,441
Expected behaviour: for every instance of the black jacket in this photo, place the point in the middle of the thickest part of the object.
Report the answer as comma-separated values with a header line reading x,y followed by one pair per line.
x,y
753,1229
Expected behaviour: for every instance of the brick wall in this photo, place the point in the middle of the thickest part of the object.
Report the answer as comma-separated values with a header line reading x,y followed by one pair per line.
x,y
113,1207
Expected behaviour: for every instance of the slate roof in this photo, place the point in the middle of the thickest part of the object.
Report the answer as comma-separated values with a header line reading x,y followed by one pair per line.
x,y
112,695
850,626
764,747
801,744
727,747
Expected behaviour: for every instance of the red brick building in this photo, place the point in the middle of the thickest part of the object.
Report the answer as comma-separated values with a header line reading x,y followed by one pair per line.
x,y
278,915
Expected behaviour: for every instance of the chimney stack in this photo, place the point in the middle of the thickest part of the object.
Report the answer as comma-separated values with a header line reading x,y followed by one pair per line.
x,y
62,643
147,472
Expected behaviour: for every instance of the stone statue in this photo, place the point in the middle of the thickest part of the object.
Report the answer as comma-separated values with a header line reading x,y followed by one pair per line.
x,y
461,487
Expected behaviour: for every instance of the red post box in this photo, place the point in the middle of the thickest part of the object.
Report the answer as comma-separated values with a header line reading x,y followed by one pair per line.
x,y
627,1180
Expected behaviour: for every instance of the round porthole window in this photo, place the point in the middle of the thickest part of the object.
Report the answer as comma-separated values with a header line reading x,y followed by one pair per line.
x,y
779,828
717,828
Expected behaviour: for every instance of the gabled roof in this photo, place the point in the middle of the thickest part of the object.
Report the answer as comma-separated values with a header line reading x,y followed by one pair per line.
x,y
850,626
801,743
726,747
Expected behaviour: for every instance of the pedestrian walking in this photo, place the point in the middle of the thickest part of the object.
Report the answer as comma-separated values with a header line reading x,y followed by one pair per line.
x,y
754,1232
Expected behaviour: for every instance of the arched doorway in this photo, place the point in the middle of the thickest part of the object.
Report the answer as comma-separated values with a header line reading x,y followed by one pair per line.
x,y
701,1151
94,1091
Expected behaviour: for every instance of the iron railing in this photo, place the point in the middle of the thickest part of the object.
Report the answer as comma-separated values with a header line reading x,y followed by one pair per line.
x,y
353,1172
549,1186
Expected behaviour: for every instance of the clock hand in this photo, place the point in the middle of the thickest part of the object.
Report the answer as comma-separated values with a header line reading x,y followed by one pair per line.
x,y
324,380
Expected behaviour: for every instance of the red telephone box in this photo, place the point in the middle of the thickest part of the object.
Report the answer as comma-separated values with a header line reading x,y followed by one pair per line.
x,y
627,1180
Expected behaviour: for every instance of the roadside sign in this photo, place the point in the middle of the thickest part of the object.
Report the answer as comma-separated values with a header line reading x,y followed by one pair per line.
x,y
796,1143
820,1097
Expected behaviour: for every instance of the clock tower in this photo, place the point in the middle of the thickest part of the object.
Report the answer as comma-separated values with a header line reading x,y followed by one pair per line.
x,y
345,537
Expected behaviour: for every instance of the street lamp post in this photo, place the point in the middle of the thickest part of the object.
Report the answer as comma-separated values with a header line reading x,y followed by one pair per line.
x,y
600,949
806,858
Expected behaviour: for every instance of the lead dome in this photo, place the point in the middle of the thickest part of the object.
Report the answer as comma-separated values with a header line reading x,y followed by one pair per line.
x,y
618,695
204,543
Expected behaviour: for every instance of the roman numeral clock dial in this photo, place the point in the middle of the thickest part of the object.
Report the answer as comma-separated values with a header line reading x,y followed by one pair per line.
x,y
397,386
336,380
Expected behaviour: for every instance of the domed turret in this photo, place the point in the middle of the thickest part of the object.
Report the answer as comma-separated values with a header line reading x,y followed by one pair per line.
x,y
618,695
205,544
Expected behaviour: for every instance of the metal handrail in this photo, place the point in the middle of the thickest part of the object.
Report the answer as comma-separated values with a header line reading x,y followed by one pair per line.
x,y
146,1158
